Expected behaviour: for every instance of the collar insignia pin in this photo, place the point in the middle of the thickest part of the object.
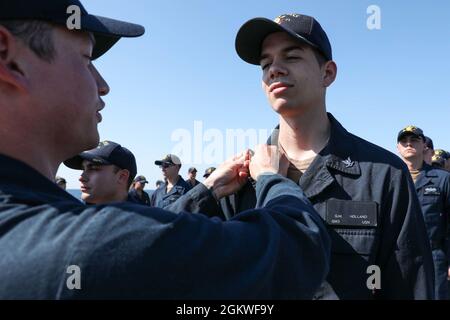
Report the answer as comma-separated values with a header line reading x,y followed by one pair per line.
x,y
348,163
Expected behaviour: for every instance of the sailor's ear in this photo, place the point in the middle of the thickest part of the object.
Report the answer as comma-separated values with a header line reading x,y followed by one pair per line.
x,y
11,53
330,73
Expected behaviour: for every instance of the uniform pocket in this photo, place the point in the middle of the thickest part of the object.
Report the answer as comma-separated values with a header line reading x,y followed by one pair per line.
x,y
430,199
353,241
353,225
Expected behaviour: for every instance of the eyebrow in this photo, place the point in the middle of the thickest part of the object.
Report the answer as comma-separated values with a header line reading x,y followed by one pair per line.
x,y
91,165
285,50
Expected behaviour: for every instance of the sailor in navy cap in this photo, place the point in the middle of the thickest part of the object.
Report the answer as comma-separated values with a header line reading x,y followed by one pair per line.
x,y
192,175
445,155
433,189
173,187
208,172
429,150
54,247
340,173
137,192
108,172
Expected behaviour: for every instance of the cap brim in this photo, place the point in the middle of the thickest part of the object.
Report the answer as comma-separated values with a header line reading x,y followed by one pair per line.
x,y
160,162
251,35
77,161
407,133
108,31
74,163
440,161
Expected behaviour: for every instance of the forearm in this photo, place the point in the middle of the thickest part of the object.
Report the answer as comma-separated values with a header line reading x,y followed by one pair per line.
x,y
197,200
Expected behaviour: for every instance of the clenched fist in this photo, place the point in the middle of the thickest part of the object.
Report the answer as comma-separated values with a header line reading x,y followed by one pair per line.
x,y
230,176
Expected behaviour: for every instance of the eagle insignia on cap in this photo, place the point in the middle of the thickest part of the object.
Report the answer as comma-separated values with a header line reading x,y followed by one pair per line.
x,y
286,18
410,128
103,144
437,158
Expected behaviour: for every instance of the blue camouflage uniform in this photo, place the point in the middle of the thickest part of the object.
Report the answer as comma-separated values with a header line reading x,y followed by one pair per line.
x,y
161,199
129,251
433,189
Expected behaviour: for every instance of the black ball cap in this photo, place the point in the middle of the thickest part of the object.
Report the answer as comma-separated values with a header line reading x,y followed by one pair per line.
x,y
429,143
107,153
105,30
410,130
303,28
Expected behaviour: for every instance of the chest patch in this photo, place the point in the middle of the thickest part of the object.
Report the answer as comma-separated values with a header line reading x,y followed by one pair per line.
x,y
347,213
431,191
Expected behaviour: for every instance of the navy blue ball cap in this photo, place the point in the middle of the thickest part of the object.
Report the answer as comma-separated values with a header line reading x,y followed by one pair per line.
x,y
303,28
429,143
141,179
442,153
169,159
105,30
209,171
410,130
107,153
438,160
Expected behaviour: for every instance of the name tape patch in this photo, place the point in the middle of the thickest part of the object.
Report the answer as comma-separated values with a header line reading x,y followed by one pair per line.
x,y
347,213
432,191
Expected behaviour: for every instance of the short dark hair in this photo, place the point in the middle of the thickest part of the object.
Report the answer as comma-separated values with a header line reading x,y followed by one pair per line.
x,y
38,35
130,178
321,60
320,57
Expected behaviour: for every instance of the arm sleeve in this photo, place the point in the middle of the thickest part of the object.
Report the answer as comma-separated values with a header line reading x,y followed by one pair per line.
x,y
447,216
197,200
278,251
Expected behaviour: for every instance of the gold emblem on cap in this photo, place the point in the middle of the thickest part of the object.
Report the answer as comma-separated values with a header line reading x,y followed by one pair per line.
x,y
285,18
103,144
410,129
